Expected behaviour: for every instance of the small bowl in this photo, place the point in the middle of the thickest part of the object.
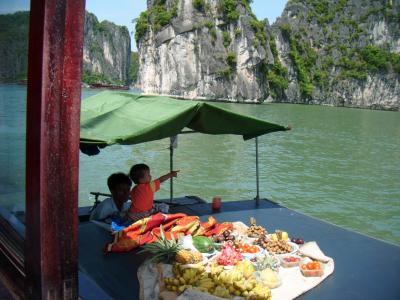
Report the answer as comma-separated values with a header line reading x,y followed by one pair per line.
x,y
311,273
289,264
252,255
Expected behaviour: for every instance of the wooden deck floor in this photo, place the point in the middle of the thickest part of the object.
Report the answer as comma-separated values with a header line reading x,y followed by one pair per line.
x,y
365,268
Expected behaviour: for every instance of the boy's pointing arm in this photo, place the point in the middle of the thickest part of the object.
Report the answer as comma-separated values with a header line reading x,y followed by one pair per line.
x,y
168,176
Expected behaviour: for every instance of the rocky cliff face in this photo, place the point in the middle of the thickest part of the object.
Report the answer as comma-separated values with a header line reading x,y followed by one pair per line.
x,y
13,46
106,53
107,50
343,53
200,51
334,52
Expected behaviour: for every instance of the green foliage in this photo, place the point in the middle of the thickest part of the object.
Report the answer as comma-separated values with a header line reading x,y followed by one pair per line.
x,y
246,3
157,16
174,9
238,32
272,46
225,72
259,32
213,33
89,78
395,61
95,48
321,77
324,11
198,4
301,67
352,68
209,24
376,58
276,77
14,46
227,38
134,67
286,31
327,63
231,59
228,10
142,24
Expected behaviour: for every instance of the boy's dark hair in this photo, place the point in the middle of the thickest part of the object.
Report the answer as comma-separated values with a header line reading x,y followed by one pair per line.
x,y
137,172
116,179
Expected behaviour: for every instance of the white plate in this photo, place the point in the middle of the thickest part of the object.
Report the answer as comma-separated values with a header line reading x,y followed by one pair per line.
x,y
252,255
295,248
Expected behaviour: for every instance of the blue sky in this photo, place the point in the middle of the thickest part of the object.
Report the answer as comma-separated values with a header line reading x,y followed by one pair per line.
x,y
122,12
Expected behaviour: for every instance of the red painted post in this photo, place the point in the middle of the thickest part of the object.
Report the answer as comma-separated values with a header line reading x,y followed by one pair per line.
x,y
52,148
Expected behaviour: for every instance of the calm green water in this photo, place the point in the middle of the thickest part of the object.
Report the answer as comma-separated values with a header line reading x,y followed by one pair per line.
x,y
341,165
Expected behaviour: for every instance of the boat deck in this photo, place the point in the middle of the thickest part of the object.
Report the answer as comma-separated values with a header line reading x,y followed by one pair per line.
x,y
365,268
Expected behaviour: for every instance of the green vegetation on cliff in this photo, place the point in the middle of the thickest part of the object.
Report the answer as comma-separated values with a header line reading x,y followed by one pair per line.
x,y
156,16
14,46
331,41
134,67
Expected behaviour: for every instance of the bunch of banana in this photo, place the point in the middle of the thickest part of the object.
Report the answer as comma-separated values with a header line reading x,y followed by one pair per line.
x,y
221,291
215,270
229,277
205,284
245,267
259,292
245,285
184,279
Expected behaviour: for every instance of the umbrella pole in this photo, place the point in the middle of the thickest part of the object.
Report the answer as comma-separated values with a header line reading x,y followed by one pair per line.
x,y
257,198
171,167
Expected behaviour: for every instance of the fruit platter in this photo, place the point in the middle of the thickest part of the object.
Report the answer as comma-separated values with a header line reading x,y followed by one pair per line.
x,y
246,264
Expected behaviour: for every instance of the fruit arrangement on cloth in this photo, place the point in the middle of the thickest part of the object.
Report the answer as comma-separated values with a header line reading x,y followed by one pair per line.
x,y
237,266
254,230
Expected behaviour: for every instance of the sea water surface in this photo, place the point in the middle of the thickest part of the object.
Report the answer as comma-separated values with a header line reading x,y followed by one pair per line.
x,y
341,165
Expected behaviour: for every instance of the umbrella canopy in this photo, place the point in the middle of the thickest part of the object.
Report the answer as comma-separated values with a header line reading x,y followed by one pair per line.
x,y
125,118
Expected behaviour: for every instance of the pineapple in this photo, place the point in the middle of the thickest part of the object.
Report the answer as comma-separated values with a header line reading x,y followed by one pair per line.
x,y
163,250
188,257
167,251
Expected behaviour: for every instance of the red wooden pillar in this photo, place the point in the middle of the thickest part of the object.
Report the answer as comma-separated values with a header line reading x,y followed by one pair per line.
x,y
52,148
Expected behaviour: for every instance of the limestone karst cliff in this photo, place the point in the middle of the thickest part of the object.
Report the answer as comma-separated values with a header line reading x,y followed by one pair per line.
x,y
334,52
106,53
202,51
342,52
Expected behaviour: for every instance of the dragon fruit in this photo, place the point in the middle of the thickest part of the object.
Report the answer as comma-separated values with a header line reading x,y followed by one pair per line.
x,y
229,256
